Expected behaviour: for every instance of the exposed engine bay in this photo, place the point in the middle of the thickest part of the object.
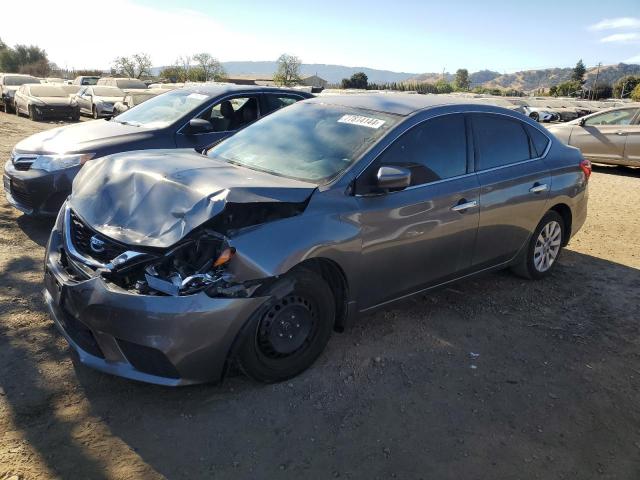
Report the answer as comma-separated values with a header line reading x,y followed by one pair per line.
x,y
196,263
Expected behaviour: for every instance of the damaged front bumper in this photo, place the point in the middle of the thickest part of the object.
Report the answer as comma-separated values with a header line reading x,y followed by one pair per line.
x,y
166,340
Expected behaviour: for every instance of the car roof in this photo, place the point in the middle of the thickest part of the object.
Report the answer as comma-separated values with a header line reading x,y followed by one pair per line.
x,y
395,103
224,88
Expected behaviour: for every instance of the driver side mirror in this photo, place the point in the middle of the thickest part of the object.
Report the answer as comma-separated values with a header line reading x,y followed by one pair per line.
x,y
199,125
393,177
582,121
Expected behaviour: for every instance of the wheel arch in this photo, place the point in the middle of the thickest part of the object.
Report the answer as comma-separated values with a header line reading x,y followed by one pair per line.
x,y
567,217
332,273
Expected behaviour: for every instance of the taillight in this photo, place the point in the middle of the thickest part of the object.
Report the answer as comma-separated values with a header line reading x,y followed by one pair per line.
x,y
585,166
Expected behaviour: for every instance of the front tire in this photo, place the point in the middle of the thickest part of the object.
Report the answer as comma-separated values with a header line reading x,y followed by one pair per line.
x,y
94,112
534,116
544,249
33,115
287,335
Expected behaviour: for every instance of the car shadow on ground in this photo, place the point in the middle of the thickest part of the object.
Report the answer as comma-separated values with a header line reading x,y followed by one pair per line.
x,y
36,228
621,170
487,375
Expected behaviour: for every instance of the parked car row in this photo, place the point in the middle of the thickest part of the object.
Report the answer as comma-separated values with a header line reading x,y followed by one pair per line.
x,y
237,231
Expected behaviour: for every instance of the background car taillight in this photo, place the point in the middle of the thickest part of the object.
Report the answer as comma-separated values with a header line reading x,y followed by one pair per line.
x,y
585,166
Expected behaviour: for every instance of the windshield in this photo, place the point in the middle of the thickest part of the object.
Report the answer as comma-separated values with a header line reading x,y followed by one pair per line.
x,y
15,80
47,91
133,83
89,80
309,142
108,92
138,99
163,110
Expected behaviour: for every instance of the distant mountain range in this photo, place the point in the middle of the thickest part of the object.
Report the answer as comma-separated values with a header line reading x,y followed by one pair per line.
x,y
526,80
529,80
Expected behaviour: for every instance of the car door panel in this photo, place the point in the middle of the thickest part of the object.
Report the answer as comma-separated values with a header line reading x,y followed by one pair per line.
x,y
514,186
632,144
413,239
599,143
512,201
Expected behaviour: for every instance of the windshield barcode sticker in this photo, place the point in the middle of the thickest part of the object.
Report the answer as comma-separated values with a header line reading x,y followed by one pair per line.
x,y
362,121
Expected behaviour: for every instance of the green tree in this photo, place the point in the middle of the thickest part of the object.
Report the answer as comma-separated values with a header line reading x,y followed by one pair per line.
x,y
135,66
553,91
211,68
625,86
572,88
357,80
174,73
462,83
578,72
288,70
443,86
635,95
13,59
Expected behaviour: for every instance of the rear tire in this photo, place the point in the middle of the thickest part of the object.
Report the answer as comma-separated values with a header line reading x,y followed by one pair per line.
x,y
534,116
6,107
94,112
544,249
284,337
17,112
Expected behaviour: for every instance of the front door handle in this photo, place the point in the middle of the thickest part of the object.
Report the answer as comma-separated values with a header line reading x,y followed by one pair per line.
x,y
539,188
621,132
464,205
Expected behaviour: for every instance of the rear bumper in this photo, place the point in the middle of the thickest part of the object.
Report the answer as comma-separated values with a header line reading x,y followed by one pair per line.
x,y
164,340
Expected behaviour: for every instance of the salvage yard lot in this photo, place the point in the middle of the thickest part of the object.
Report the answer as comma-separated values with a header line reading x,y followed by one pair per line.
x,y
494,377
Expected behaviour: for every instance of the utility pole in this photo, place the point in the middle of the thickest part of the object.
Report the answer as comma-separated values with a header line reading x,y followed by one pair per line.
x,y
594,85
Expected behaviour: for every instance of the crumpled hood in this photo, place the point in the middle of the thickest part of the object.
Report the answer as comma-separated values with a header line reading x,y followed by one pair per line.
x,y
156,197
79,137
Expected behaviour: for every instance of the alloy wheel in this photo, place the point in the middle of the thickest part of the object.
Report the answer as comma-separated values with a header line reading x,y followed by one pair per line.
x,y
547,246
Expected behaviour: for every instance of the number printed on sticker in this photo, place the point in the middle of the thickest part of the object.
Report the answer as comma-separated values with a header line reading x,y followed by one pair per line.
x,y
361,121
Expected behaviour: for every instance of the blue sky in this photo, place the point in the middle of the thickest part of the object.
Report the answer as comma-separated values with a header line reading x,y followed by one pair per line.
x,y
410,35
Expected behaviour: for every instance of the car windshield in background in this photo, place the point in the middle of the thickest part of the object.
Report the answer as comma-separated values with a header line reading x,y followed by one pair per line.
x,y
108,92
164,109
17,80
47,91
130,84
309,142
90,81
138,99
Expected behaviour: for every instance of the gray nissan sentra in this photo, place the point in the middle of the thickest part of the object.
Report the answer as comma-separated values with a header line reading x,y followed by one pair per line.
x,y
167,266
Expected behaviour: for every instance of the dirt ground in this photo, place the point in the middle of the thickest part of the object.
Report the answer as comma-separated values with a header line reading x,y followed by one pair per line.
x,y
492,378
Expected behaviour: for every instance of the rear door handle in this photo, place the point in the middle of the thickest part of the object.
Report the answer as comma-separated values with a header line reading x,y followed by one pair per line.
x,y
461,207
539,188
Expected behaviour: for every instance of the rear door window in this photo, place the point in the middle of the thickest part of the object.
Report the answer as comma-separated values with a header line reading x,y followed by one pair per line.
x,y
500,141
232,114
273,102
615,117
539,140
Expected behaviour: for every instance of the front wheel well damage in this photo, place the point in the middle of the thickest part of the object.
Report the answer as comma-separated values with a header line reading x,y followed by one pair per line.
x,y
331,273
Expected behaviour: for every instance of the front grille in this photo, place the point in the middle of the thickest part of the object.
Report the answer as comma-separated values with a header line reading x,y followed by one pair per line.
x,y
21,196
81,235
148,360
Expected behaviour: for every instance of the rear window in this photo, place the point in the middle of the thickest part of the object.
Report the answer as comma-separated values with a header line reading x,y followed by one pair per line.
x,y
500,141
15,80
538,139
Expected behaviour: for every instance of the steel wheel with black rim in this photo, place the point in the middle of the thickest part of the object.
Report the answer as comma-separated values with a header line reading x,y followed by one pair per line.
x,y
544,248
286,336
